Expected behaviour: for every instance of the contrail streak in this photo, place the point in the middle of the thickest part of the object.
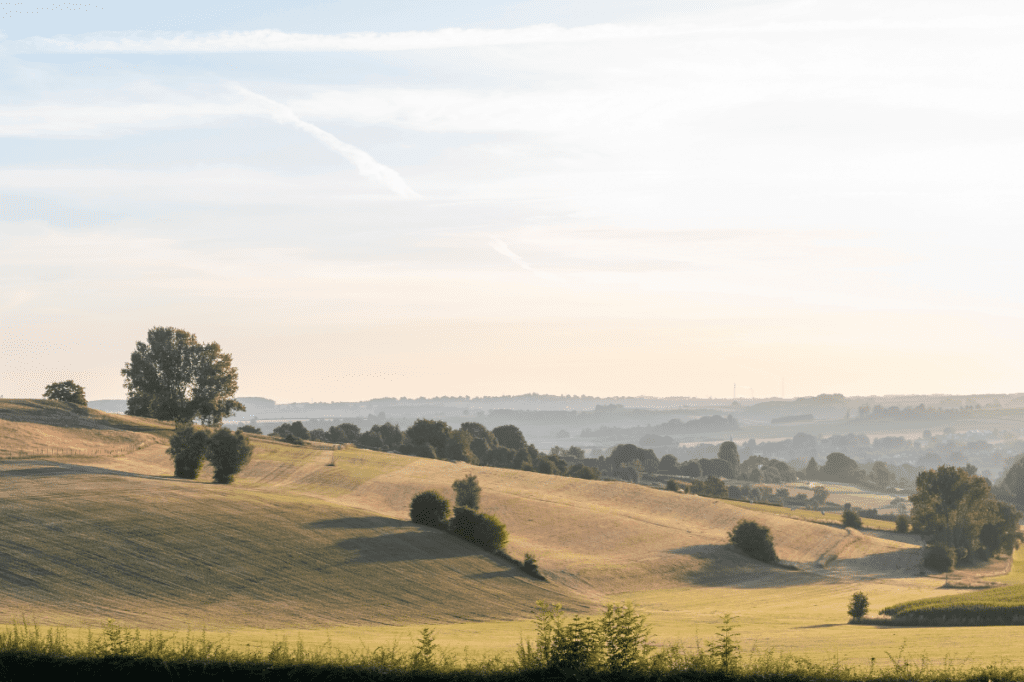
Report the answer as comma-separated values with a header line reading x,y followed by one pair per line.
x,y
366,165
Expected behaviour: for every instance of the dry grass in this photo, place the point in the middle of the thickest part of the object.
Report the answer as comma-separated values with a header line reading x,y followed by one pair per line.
x,y
297,546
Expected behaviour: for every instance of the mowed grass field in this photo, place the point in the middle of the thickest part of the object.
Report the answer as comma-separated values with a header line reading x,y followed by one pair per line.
x,y
300,547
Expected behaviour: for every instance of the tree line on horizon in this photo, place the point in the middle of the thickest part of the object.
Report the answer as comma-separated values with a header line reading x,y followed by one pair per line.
x,y
504,447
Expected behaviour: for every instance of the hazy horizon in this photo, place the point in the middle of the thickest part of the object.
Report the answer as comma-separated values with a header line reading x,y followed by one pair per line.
x,y
422,199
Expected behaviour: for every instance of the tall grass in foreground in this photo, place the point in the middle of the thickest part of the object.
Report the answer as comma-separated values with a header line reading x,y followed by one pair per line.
x,y
613,646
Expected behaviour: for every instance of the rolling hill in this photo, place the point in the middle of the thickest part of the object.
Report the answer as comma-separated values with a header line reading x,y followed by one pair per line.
x,y
299,542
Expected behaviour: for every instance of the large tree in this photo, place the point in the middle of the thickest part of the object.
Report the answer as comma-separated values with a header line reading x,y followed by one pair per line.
x,y
952,506
173,377
66,392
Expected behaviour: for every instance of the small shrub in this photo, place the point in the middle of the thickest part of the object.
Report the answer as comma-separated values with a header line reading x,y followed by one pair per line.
x,y
625,634
246,428
940,557
430,508
851,519
616,643
467,492
754,540
858,605
530,565
483,530
292,438
672,485
726,649
190,445
229,452
902,523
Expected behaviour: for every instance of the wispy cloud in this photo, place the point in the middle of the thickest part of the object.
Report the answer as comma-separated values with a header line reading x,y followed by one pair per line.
x,y
772,18
269,40
366,165
502,248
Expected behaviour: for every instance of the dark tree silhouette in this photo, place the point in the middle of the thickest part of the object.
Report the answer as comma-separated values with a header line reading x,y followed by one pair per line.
x,y
173,377
66,392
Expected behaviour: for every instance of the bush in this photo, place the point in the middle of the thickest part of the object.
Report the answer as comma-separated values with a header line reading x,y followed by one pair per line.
x,y
467,492
851,519
858,605
246,428
483,530
430,508
672,485
940,558
754,540
190,445
292,438
229,452
530,565
902,523
616,643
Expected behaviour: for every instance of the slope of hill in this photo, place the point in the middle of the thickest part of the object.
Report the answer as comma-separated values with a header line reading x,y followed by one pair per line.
x,y
296,542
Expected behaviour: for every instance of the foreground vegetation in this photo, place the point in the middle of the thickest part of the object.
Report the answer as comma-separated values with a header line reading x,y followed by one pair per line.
x,y
615,645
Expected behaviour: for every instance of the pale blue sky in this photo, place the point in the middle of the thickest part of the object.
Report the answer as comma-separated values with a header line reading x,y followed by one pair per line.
x,y
428,198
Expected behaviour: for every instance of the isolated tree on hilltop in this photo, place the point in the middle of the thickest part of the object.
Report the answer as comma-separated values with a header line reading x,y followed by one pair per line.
x,y
66,392
173,377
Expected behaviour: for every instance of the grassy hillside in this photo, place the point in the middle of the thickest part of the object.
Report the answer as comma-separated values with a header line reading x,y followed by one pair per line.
x,y
299,544
33,428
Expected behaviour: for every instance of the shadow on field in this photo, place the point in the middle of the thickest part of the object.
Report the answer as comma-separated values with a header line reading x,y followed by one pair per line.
x,y
360,523
903,562
506,573
47,468
723,565
413,545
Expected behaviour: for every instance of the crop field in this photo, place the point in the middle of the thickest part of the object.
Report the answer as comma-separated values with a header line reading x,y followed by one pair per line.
x,y
996,604
314,543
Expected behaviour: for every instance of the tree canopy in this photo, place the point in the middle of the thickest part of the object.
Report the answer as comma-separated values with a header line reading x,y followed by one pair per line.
x,y
957,509
729,452
173,377
66,392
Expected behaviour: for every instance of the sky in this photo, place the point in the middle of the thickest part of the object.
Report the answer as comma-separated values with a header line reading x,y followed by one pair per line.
x,y
423,198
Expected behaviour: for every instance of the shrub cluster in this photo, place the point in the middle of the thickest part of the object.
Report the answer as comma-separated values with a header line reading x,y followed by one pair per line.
x,y
617,642
486,531
228,451
754,540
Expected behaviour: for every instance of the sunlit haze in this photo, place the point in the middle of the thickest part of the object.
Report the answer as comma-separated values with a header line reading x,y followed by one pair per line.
x,y
664,198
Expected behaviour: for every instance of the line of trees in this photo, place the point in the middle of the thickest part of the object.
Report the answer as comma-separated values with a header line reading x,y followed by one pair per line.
x,y
503,447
